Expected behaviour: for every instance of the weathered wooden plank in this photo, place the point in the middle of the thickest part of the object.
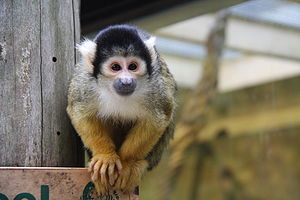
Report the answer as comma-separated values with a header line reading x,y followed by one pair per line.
x,y
6,78
37,57
20,100
47,183
259,109
44,183
58,38
77,30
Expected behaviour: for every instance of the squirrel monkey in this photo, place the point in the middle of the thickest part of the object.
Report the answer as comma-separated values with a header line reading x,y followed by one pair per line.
x,y
121,102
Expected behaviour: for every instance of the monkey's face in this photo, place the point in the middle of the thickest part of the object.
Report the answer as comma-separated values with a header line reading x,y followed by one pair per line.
x,y
124,73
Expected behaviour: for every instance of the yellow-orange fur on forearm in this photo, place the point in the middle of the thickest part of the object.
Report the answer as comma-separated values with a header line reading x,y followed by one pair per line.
x,y
140,140
94,134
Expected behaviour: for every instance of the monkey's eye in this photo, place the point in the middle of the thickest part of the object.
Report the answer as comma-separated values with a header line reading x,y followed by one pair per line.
x,y
132,67
116,67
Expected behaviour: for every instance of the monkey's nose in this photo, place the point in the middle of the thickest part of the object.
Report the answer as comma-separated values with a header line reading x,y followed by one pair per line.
x,y
125,86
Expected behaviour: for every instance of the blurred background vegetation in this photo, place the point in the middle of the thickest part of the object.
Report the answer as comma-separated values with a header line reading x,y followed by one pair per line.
x,y
237,64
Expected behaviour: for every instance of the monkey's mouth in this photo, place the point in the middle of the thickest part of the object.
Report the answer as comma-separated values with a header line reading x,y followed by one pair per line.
x,y
124,91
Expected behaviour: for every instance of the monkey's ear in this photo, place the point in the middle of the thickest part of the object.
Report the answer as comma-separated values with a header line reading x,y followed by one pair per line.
x,y
150,44
87,50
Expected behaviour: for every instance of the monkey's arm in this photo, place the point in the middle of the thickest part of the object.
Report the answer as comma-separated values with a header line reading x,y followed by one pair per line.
x,y
139,142
95,137
154,156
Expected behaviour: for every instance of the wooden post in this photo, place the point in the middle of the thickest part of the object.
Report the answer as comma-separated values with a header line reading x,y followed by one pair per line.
x,y
37,57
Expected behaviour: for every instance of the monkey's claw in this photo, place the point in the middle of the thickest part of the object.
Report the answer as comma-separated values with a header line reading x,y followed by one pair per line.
x,y
105,168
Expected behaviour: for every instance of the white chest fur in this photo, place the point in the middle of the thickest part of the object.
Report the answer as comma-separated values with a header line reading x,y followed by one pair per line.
x,y
122,107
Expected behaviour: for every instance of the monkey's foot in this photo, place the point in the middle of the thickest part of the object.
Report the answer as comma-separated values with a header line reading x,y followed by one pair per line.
x,y
131,175
105,168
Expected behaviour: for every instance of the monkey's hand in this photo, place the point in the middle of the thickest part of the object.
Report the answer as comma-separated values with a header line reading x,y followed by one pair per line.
x,y
131,175
104,170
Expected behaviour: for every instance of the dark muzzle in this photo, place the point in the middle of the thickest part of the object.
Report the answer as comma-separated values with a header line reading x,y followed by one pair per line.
x,y
125,86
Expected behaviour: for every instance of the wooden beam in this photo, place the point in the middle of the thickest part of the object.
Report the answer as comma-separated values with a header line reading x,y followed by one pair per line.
x,y
182,12
271,106
283,43
255,122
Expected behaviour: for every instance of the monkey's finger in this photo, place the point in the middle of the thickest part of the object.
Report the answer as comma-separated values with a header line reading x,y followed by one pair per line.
x,y
116,175
117,184
119,165
95,176
96,168
124,181
106,191
111,175
89,168
131,196
103,173
91,165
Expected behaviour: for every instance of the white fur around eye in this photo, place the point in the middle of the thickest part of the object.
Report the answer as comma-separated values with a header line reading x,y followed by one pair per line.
x,y
106,66
87,50
141,64
123,61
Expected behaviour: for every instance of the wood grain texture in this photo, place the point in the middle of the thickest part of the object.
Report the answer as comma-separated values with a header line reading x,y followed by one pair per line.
x,y
58,39
77,30
37,57
20,101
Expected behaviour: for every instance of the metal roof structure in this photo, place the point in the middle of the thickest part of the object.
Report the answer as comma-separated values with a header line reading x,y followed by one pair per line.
x,y
95,14
276,12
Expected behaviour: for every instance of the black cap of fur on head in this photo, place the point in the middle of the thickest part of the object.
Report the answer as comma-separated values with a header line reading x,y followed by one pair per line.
x,y
120,40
